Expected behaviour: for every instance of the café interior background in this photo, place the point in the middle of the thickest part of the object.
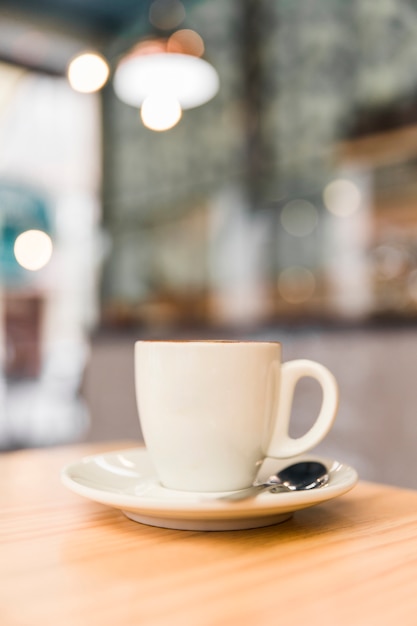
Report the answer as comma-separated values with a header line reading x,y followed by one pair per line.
x,y
284,208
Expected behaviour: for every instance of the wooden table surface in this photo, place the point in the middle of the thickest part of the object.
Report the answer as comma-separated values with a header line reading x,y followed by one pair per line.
x,y
70,562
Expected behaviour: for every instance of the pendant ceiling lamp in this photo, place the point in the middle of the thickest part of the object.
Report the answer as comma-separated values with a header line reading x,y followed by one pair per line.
x,y
162,75
166,75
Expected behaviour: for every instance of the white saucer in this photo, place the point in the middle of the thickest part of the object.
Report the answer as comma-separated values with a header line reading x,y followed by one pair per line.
x,y
126,480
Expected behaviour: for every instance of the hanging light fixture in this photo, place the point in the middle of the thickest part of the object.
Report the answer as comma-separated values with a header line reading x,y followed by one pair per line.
x,y
168,73
162,75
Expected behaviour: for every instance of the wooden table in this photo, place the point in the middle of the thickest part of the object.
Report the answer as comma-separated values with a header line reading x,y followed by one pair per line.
x,y
70,562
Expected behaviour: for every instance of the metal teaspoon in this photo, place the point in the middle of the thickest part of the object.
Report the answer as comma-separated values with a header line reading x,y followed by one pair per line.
x,y
297,477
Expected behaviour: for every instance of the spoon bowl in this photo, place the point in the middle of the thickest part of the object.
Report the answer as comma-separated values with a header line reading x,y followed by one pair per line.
x,y
296,477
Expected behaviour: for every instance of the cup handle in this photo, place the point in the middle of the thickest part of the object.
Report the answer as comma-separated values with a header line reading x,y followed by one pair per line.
x,y
281,445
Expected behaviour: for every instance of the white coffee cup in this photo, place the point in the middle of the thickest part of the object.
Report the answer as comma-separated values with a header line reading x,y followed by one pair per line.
x,y
211,411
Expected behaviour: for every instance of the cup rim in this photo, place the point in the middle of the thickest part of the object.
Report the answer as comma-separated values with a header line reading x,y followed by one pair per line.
x,y
237,342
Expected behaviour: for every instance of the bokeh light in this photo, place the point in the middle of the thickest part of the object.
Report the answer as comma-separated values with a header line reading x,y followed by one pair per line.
x,y
186,41
412,285
33,249
390,261
299,218
88,72
166,14
296,284
160,112
342,197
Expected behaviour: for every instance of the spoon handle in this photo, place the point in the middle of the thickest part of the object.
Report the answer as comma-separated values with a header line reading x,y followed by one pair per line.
x,y
249,492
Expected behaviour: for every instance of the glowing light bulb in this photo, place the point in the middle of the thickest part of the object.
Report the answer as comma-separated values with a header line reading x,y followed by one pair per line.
x,y
33,249
160,112
88,72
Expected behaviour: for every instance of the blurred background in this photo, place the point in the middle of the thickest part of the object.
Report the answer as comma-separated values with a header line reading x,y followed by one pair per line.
x,y
209,169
